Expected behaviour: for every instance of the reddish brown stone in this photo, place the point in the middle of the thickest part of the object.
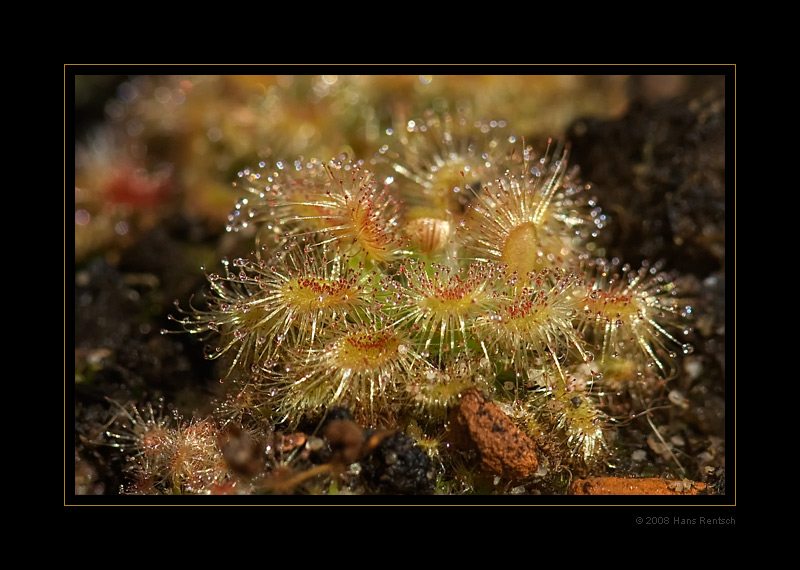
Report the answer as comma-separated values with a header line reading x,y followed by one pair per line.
x,y
504,450
622,486
288,442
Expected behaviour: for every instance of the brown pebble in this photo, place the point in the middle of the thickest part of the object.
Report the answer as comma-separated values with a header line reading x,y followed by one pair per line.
x,y
289,442
623,486
504,450
347,440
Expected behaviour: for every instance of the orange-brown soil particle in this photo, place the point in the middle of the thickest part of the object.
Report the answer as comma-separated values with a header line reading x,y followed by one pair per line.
x,y
647,486
504,450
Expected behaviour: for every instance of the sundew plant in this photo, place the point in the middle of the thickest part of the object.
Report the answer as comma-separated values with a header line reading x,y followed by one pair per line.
x,y
381,288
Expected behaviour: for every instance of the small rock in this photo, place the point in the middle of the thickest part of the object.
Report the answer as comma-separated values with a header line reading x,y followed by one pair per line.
x,y
648,486
504,450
